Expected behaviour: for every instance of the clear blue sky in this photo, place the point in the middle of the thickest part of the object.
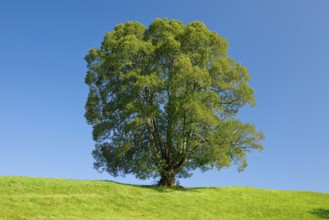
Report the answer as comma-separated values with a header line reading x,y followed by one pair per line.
x,y
284,44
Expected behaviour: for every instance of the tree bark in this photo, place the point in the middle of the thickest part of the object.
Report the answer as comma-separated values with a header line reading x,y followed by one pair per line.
x,y
168,179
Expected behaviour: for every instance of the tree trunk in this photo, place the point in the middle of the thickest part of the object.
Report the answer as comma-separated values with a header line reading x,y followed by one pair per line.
x,y
168,179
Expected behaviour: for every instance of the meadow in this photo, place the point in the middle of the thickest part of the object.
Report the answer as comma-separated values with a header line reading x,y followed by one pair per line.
x,y
44,198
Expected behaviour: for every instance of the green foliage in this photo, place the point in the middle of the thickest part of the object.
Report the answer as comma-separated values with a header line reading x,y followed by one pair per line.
x,y
163,101
36,198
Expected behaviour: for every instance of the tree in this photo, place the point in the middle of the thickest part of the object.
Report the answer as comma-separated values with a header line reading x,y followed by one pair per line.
x,y
163,102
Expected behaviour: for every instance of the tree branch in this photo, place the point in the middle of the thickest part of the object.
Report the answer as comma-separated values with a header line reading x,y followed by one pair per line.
x,y
178,167
151,125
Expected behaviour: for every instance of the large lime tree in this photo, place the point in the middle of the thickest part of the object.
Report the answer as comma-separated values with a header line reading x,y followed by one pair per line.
x,y
163,102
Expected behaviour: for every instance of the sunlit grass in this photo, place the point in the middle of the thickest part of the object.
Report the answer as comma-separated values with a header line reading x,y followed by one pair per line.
x,y
41,198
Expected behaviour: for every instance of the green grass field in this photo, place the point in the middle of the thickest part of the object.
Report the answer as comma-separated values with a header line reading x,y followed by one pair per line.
x,y
41,198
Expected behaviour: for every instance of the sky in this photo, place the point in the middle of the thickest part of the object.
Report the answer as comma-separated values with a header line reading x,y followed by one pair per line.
x,y
283,44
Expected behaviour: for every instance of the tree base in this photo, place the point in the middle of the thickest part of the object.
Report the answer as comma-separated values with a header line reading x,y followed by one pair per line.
x,y
168,182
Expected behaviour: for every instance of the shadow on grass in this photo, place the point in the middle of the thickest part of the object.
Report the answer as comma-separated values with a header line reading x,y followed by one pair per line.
x,y
321,213
157,188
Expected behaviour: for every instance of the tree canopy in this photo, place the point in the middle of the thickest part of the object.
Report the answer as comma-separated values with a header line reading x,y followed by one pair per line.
x,y
163,102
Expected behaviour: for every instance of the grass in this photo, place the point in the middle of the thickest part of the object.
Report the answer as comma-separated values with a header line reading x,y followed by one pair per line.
x,y
42,198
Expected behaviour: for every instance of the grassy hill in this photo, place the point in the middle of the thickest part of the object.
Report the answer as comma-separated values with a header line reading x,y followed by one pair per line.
x,y
41,198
